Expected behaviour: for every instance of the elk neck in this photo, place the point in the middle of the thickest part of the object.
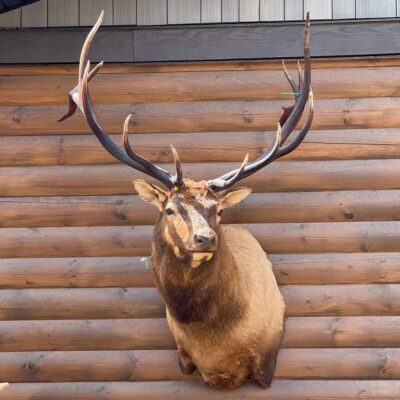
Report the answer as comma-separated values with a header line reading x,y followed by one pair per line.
x,y
210,293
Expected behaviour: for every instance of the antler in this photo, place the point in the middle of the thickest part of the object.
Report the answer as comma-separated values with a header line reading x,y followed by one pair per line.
x,y
287,123
79,97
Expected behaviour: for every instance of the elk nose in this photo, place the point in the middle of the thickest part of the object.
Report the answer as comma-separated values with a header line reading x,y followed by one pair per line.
x,y
205,241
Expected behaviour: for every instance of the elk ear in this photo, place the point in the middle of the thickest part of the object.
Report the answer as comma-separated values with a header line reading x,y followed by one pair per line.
x,y
234,198
150,193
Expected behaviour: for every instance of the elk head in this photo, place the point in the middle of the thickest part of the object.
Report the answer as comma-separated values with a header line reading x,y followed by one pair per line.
x,y
190,215
190,212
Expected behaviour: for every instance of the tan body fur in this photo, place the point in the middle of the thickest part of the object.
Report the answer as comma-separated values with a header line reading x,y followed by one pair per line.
x,y
226,350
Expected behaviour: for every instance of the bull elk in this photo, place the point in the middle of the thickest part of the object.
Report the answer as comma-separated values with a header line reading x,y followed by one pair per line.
x,y
224,307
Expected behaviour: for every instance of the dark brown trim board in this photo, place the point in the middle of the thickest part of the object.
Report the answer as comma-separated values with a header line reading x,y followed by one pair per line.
x,y
201,43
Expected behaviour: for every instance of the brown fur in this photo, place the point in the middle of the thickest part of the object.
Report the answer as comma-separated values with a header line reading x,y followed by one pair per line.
x,y
227,314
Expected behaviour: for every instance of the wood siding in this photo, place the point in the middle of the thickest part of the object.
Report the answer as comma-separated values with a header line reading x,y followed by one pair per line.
x,y
66,13
79,315
191,43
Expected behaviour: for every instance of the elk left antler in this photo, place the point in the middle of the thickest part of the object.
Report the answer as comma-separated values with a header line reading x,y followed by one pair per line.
x,y
287,123
80,97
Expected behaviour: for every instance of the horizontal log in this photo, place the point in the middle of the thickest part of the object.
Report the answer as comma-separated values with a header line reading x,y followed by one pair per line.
x,y
345,144
258,208
244,65
296,176
117,303
80,303
280,389
162,365
335,237
332,300
290,269
317,269
200,86
75,272
151,334
212,116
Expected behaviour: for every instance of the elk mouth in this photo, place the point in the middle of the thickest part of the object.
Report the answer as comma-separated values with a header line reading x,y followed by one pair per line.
x,y
199,257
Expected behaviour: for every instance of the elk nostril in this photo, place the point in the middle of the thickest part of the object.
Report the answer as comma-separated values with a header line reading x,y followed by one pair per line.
x,y
200,240
204,241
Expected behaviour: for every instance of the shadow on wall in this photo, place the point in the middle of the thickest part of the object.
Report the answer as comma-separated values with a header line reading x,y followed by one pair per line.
x,y
8,5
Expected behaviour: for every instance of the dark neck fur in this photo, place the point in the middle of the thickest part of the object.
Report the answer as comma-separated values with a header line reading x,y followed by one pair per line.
x,y
209,293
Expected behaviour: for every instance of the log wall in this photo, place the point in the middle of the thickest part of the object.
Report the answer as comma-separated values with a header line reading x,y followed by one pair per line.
x,y
79,315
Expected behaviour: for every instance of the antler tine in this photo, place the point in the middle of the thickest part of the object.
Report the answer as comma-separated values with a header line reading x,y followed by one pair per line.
x,y
299,73
91,118
178,166
74,98
222,183
303,132
73,95
302,99
84,57
152,169
80,97
234,176
106,142
289,120
295,88
299,138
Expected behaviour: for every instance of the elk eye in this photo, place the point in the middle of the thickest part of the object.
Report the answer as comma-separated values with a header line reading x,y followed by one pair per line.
x,y
169,211
220,212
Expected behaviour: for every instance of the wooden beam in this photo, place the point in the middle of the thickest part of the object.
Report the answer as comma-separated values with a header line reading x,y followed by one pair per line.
x,y
311,269
154,334
345,144
337,83
289,269
334,237
214,116
294,176
167,44
281,389
162,365
266,41
82,272
353,206
121,303
212,66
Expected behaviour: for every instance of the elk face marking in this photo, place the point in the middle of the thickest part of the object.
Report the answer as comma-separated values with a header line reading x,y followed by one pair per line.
x,y
190,216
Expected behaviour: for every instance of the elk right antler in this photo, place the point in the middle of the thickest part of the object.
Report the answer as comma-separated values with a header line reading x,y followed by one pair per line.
x,y
287,123
80,97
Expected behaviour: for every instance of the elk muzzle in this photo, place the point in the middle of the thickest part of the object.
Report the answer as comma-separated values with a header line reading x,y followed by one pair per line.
x,y
205,240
